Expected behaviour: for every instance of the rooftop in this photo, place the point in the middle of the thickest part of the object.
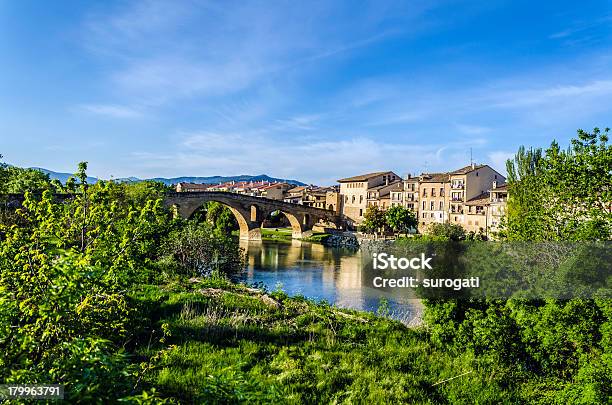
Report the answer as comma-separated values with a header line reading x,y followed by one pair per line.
x,y
467,169
363,177
434,177
482,199
500,187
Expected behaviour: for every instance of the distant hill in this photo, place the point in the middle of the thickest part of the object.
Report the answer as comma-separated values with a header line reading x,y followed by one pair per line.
x,y
223,179
168,181
63,177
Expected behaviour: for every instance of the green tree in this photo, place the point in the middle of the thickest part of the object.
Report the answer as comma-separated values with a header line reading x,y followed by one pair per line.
x,y
19,180
199,251
221,218
401,219
446,231
562,194
373,220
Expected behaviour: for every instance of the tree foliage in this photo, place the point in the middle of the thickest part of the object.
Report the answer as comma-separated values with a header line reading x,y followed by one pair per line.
x,y
373,220
400,219
446,231
562,194
67,274
554,195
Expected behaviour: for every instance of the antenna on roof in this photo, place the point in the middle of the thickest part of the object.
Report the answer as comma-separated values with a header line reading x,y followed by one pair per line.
x,y
471,159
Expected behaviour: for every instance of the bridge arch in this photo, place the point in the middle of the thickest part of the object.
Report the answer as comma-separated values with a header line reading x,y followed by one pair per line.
x,y
250,211
296,226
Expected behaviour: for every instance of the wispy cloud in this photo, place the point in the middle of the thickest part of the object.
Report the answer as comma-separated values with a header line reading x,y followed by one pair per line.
x,y
111,110
552,94
165,51
472,129
322,161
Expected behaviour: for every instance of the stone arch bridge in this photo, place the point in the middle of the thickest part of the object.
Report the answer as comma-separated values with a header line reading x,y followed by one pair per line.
x,y
250,212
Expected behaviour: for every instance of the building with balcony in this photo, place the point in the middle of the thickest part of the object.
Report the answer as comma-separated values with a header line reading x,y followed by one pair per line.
x,y
498,198
469,184
406,193
432,201
354,193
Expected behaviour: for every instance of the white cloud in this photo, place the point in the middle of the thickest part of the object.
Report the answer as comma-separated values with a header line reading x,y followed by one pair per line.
x,y
319,161
553,94
472,129
111,110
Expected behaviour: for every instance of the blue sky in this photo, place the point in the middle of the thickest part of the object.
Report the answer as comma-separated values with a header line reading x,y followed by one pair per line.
x,y
315,91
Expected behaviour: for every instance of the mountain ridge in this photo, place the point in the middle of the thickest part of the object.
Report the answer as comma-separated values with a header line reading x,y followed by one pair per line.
x,y
63,177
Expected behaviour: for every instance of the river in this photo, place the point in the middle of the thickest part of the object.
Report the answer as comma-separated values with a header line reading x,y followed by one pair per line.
x,y
318,272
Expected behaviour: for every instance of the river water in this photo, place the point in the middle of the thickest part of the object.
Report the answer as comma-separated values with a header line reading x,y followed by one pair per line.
x,y
318,272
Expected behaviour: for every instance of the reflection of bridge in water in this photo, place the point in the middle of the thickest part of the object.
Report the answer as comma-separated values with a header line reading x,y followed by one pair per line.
x,y
250,212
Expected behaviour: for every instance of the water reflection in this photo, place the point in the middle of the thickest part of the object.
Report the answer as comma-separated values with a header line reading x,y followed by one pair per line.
x,y
322,273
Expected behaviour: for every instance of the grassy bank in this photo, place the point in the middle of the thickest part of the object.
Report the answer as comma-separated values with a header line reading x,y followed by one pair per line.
x,y
215,342
286,234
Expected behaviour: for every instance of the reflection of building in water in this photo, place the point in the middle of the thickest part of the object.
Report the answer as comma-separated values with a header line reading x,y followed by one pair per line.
x,y
349,282
318,272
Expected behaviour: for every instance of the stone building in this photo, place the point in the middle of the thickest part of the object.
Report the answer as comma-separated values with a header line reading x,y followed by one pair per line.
x,y
498,198
275,191
191,187
406,193
469,183
354,192
433,199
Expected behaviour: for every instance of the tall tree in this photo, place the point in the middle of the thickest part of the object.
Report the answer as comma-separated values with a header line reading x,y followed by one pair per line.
x,y
562,194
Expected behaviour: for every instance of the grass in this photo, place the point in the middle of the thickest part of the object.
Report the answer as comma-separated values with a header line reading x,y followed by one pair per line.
x,y
214,342
286,234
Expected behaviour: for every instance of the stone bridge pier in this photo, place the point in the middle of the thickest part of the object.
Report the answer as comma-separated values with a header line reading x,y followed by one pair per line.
x,y
250,212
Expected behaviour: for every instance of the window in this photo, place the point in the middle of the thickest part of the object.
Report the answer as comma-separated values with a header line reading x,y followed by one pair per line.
x,y
476,223
441,205
360,199
432,214
431,205
353,199
423,217
441,191
423,205
433,192
361,212
440,215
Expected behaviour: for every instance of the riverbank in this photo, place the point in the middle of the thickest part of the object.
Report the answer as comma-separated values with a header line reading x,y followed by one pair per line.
x,y
343,239
213,341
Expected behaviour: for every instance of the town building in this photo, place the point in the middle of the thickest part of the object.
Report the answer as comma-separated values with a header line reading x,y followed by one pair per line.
x,y
191,187
433,199
406,193
470,183
275,191
380,196
354,193
498,198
